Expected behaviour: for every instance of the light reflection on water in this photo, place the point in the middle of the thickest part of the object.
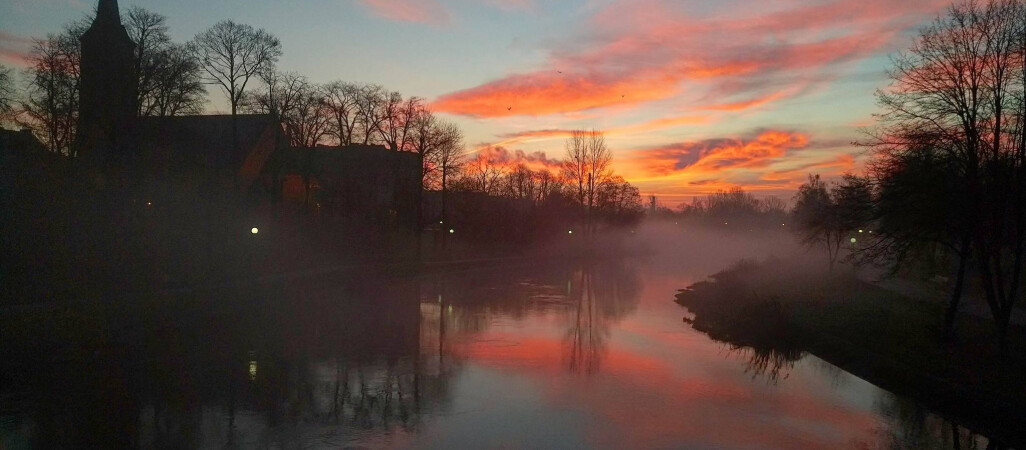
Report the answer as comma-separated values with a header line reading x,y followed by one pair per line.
x,y
547,356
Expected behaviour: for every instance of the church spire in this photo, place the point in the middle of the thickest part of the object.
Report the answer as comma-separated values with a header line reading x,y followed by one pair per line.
x,y
108,89
107,11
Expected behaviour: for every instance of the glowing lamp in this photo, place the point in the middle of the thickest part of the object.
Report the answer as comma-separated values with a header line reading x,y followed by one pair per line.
x,y
451,231
852,240
254,230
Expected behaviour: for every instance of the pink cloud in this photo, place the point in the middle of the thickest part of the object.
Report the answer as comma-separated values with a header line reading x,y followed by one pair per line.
x,y
13,57
512,5
630,53
14,49
498,155
416,11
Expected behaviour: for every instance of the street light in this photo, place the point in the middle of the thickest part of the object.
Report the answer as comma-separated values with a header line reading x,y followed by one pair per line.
x,y
570,232
852,240
254,230
451,231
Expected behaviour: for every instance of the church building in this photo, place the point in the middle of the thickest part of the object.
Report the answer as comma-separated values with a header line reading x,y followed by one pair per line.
x,y
119,148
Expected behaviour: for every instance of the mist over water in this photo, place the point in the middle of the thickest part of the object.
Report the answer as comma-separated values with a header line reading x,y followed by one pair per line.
x,y
680,247
561,354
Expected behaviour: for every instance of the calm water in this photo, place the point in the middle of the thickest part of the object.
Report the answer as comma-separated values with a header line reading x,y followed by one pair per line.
x,y
558,356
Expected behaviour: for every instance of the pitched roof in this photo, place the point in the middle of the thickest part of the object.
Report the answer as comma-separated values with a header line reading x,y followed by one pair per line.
x,y
206,140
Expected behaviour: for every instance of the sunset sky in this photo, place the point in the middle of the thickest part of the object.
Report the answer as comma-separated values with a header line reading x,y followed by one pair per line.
x,y
693,96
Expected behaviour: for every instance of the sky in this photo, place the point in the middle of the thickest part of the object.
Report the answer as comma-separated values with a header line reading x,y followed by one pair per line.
x,y
692,96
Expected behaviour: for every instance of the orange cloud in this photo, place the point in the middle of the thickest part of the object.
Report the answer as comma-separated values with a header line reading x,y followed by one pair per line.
x,y
746,104
832,167
714,155
518,137
552,92
629,53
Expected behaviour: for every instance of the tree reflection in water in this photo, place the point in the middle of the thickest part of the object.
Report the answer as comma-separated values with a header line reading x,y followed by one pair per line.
x,y
599,294
310,363
771,363
586,336
911,426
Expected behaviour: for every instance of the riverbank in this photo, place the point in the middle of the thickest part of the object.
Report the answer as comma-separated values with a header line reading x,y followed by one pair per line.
x,y
882,336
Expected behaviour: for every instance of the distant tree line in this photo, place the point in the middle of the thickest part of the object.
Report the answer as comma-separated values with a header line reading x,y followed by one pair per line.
x,y
736,209
948,173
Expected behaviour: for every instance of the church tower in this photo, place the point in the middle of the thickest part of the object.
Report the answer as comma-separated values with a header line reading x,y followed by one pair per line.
x,y
108,91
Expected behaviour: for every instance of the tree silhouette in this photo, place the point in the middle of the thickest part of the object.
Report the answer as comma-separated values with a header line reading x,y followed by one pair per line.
x,y
829,217
959,89
51,103
170,80
232,55
340,99
586,165
7,93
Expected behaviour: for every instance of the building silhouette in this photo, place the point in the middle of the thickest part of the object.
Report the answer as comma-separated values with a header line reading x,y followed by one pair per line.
x,y
151,157
108,93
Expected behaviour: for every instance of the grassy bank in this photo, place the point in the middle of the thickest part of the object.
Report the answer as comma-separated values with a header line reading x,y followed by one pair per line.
x,y
881,336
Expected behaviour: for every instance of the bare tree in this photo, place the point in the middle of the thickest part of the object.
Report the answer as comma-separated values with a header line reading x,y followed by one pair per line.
x,y
340,99
618,201
448,159
955,92
170,81
7,93
586,165
398,119
816,214
368,110
232,54
51,105
482,175
519,183
430,137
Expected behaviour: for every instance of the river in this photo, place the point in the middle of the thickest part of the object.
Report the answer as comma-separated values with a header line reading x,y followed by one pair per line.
x,y
556,355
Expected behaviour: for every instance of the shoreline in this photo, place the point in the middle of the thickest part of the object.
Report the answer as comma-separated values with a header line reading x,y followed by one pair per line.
x,y
882,337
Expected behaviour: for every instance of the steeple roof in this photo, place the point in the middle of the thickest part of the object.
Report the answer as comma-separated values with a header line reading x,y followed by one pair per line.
x,y
107,11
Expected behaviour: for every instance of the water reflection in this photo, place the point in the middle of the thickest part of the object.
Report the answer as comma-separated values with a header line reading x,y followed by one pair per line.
x,y
540,356
769,363
270,366
598,295
911,426
771,352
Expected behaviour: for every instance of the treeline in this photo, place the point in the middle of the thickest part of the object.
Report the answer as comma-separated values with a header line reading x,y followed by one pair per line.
x,y
494,199
948,174
734,209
